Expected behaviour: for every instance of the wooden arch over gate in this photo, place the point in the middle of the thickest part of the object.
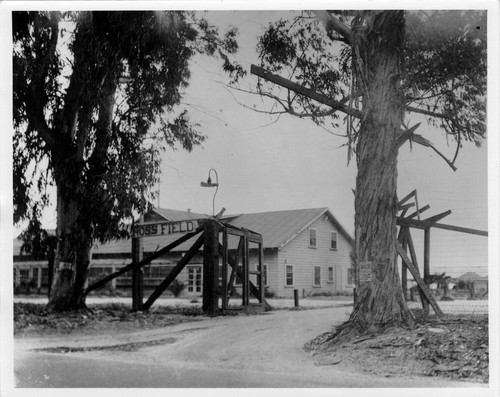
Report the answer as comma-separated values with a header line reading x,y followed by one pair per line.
x,y
405,244
213,237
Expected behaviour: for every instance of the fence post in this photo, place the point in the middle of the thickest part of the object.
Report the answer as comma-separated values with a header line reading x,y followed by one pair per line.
x,y
296,297
427,254
137,273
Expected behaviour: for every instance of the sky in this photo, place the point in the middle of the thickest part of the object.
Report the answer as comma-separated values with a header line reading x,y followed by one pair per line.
x,y
269,164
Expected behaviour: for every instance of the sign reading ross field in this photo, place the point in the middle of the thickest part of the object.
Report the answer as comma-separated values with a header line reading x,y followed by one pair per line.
x,y
164,228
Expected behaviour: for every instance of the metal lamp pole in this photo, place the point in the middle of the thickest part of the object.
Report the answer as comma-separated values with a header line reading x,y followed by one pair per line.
x,y
215,184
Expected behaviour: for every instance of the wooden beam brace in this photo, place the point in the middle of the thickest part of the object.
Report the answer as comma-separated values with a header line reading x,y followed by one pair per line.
x,y
402,238
142,263
422,224
405,207
253,289
174,272
407,197
252,237
416,275
234,260
413,256
438,217
424,208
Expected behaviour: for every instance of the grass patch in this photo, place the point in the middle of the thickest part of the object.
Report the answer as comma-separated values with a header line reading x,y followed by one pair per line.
x,y
32,318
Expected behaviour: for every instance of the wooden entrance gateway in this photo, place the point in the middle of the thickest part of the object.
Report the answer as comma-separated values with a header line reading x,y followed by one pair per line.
x,y
218,282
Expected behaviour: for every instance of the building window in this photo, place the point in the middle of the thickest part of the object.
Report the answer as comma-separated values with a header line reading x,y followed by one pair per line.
x,y
289,275
24,275
330,274
312,238
333,241
35,275
45,277
350,280
317,276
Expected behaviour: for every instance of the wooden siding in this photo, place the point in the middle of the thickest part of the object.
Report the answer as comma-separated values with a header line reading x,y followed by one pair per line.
x,y
303,258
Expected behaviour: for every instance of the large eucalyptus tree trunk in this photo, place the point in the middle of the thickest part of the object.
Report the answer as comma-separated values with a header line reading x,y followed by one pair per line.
x,y
377,52
73,253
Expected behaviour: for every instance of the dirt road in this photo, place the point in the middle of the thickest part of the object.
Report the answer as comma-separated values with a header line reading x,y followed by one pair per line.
x,y
244,351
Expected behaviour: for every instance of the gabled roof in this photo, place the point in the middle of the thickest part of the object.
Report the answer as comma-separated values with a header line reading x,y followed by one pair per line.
x,y
278,228
471,276
174,215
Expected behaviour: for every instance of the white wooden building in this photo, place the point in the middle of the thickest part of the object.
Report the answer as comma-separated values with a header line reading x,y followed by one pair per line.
x,y
306,249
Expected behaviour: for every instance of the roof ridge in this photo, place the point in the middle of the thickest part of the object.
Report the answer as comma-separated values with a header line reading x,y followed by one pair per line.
x,y
277,211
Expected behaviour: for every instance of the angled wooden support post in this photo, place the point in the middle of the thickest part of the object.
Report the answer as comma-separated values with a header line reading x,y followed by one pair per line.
x,y
142,263
174,273
403,240
233,260
252,288
419,211
406,198
438,217
416,275
413,256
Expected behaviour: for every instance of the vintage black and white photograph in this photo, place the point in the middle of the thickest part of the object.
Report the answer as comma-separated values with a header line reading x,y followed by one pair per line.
x,y
234,198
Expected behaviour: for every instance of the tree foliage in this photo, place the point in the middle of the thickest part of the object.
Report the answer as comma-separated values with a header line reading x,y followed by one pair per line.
x,y
444,65
97,97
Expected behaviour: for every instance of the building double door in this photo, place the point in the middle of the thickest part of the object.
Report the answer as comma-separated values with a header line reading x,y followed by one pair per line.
x,y
195,279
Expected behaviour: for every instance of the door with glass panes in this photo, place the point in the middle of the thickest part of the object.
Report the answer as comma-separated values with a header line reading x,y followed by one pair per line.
x,y
194,279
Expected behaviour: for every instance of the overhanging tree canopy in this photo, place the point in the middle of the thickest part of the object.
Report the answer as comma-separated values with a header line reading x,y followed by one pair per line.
x,y
96,99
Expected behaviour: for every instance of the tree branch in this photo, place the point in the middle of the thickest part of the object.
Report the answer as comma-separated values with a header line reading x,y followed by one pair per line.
x,y
261,72
424,142
404,135
426,112
35,112
331,23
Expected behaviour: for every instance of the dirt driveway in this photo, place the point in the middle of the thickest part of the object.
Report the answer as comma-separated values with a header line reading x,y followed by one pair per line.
x,y
243,351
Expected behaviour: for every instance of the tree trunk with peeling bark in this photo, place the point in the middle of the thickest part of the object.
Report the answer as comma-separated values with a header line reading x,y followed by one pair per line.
x,y
73,251
380,298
